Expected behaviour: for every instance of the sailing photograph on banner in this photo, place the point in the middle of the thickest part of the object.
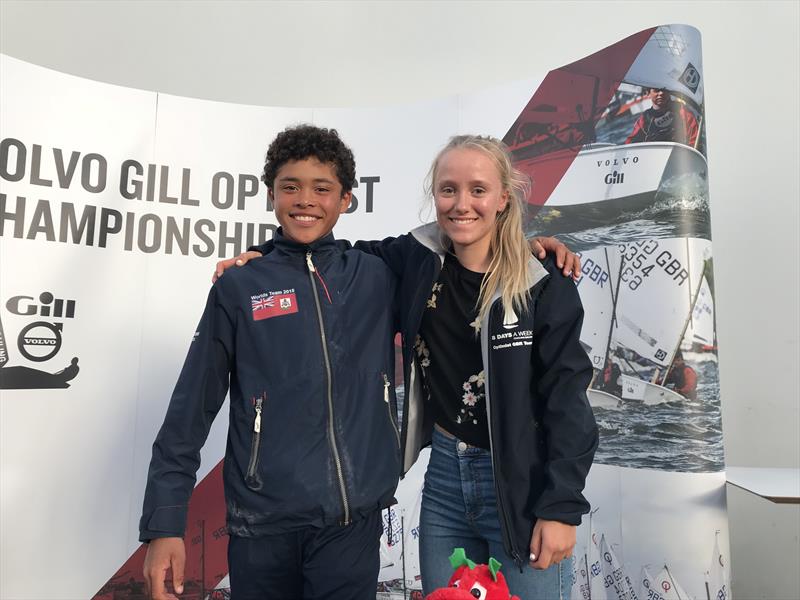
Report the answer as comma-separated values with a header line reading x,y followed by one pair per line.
x,y
649,330
633,201
635,144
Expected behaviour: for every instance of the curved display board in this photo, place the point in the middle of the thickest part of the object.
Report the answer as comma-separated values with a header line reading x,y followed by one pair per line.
x,y
115,204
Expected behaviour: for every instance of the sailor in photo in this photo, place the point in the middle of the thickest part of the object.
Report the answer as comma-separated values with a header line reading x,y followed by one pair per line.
x,y
682,378
611,378
666,121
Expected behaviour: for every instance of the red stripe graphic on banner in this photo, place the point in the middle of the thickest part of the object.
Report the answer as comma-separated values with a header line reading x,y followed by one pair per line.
x,y
545,138
206,542
562,114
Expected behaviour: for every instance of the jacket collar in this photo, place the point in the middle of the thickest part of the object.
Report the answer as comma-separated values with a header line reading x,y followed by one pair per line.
x,y
430,236
321,246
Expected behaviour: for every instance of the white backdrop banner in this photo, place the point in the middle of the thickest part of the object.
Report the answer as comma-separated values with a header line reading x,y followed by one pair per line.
x,y
116,203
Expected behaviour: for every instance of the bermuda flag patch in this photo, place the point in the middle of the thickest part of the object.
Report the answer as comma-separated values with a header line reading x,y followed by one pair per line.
x,y
273,304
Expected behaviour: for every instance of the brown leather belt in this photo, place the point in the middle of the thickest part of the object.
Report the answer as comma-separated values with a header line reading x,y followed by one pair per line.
x,y
442,430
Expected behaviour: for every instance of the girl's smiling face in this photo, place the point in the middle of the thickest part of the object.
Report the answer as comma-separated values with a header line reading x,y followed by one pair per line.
x,y
468,195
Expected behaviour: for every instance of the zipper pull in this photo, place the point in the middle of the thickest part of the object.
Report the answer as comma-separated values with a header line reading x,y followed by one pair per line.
x,y
310,264
385,388
257,422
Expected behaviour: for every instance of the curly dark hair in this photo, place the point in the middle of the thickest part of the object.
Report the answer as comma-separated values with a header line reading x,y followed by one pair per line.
x,y
304,141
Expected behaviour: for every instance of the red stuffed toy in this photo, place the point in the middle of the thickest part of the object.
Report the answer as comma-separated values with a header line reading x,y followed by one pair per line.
x,y
471,581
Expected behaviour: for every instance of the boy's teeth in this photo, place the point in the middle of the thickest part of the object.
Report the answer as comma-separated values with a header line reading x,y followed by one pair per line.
x,y
305,218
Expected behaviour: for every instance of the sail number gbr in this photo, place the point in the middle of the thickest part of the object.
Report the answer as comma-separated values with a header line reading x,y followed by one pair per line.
x,y
640,258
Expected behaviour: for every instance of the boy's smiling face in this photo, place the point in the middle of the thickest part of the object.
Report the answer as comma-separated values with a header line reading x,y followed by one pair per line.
x,y
308,199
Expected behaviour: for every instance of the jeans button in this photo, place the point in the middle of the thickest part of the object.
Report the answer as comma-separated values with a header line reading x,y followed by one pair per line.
x,y
462,446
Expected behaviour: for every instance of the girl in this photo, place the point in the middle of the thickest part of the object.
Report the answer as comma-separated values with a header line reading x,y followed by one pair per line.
x,y
495,378
504,379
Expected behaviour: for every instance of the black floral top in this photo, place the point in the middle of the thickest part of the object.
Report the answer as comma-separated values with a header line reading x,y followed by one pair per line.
x,y
448,350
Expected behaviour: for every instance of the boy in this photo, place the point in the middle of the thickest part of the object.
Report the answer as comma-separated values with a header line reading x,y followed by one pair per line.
x,y
304,339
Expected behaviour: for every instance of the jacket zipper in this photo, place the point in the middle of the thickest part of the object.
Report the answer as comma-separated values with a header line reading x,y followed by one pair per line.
x,y
331,433
504,524
386,385
251,477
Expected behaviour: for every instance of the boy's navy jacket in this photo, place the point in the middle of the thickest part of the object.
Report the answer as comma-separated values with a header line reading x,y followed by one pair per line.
x,y
541,427
303,338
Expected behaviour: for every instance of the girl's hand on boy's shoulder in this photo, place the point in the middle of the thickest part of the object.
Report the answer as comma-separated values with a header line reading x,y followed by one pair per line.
x,y
567,261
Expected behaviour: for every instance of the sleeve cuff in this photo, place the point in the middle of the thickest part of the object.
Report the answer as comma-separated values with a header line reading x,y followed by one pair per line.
x,y
164,521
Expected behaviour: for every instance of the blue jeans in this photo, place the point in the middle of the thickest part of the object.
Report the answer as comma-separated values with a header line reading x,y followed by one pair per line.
x,y
459,510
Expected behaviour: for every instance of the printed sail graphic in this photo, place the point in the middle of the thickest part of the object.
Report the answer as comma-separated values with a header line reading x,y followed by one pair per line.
x,y
597,587
717,585
668,588
652,271
402,577
411,567
598,295
580,578
672,59
618,585
701,326
646,584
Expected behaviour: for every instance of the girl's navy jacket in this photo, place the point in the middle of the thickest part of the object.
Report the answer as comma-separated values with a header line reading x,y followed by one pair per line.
x,y
303,339
542,431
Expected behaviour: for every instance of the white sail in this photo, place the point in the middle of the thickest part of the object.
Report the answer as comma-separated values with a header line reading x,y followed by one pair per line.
x,y
597,588
717,576
391,545
595,288
671,58
580,578
411,568
656,293
646,589
701,327
618,585
224,583
385,554
667,587
222,591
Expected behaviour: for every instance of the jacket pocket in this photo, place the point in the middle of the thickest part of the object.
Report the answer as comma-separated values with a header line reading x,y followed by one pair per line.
x,y
387,400
252,479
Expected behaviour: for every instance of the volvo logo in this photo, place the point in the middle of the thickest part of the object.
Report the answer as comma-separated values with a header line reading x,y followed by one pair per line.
x,y
39,341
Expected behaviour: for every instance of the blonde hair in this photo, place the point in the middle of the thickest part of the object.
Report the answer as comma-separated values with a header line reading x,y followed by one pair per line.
x,y
509,250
